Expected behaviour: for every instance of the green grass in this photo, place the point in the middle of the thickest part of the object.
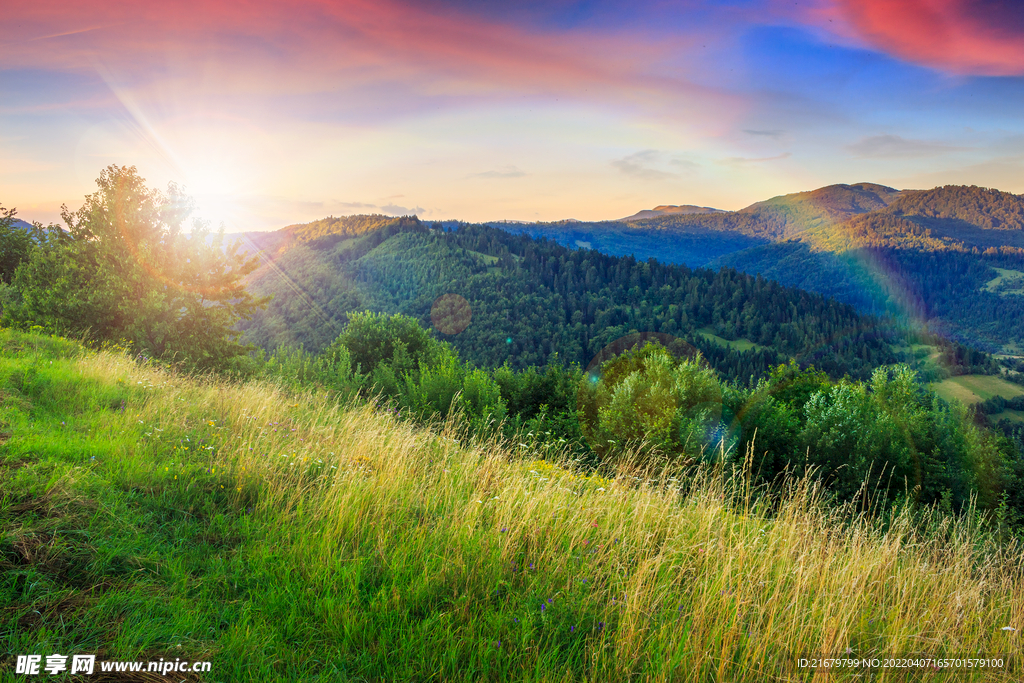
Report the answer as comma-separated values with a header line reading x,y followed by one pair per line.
x,y
486,258
975,388
740,344
1013,277
1011,415
282,537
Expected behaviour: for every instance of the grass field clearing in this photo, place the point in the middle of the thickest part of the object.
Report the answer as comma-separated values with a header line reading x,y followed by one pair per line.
x,y
975,388
735,344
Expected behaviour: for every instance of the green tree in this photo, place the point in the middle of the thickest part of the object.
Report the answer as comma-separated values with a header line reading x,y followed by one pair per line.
x,y
125,269
398,341
646,396
15,244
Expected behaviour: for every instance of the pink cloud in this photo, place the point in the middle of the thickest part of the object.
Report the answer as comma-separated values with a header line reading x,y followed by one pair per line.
x,y
263,47
968,37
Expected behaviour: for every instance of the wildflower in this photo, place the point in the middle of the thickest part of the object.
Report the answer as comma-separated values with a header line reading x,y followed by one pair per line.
x,y
543,607
572,629
504,529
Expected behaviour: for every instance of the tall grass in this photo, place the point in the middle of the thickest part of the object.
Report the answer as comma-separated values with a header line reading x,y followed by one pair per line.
x,y
319,541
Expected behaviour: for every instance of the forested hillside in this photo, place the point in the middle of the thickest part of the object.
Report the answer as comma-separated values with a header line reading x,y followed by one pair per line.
x,y
534,301
945,258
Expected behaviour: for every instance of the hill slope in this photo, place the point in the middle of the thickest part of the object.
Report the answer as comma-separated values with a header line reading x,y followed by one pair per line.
x,y
925,256
149,516
535,301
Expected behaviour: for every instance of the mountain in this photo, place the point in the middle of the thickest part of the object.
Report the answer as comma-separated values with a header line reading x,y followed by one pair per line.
x,y
944,258
532,301
698,238
669,210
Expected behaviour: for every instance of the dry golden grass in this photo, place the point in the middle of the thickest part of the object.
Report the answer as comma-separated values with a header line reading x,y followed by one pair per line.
x,y
702,586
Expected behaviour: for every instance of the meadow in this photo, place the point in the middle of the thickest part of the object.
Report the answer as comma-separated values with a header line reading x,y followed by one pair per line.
x,y
735,344
283,535
970,389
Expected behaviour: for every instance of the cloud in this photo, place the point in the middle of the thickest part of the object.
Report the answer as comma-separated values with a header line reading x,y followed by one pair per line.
x,y
758,160
766,133
389,57
969,37
893,146
396,210
508,171
684,163
365,207
640,165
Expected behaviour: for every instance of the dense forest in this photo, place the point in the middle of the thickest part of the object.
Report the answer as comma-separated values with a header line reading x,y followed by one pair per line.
x,y
534,301
926,287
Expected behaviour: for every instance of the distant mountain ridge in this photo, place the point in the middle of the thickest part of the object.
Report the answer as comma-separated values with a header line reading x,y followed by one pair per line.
x,y
671,209
938,257
819,241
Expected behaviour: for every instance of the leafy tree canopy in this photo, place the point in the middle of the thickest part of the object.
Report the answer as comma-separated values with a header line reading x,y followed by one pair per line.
x,y
125,269
15,244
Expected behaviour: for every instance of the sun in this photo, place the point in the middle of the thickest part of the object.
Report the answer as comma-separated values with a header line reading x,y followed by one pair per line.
x,y
218,194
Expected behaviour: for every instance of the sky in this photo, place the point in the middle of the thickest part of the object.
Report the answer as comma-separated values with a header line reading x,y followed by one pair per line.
x,y
271,113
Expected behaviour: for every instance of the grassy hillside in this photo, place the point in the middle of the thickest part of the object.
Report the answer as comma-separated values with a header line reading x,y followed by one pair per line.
x,y
280,536
970,389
